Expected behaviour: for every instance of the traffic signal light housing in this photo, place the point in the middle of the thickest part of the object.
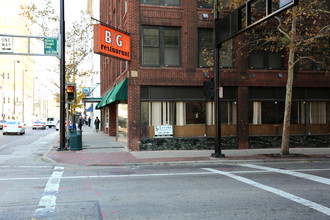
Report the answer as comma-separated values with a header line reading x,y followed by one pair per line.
x,y
71,92
209,89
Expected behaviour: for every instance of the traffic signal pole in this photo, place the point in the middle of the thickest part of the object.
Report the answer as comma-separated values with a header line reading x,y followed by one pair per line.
x,y
217,84
62,78
225,29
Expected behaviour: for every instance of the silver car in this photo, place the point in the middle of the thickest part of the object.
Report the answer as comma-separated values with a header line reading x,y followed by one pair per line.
x,y
15,127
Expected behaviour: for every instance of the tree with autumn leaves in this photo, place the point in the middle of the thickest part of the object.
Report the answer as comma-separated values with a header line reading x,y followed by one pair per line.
x,y
78,42
302,32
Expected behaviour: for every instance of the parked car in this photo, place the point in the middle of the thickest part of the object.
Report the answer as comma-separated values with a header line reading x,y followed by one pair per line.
x,y
14,127
51,122
39,125
2,123
58,125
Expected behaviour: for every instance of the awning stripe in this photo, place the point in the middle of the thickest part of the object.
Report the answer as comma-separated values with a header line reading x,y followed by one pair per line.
x,y
118,93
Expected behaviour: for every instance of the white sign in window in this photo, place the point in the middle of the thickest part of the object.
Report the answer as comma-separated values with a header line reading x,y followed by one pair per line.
x,y
164,130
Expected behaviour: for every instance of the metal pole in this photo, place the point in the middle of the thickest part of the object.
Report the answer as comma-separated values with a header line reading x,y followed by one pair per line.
x,y
2,90
217,76
23,97
14,87
62,78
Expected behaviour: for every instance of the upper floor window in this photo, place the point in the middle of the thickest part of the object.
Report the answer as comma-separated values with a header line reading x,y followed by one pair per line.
x,y
161,46
226,53
310,65
125,6
205,4
162,2
224,4
265,60
119,13
205,47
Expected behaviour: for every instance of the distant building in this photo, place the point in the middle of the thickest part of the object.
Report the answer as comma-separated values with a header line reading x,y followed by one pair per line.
x,y
166,105
16,72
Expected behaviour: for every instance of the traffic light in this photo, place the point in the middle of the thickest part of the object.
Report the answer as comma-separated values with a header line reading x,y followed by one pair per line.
x,y
71,92
209,89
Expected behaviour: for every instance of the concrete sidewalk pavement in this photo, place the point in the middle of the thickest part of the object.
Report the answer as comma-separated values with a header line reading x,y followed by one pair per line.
x,y
99,149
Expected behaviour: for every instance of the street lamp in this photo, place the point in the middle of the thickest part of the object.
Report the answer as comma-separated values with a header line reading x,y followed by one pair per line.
x,y
14,102
2,93
23,78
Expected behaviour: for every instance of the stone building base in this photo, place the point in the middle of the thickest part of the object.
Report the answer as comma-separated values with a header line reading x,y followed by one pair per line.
x,y
207,143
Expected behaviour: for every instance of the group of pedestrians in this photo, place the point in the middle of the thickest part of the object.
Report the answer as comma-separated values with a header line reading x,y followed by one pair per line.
x,y
81,122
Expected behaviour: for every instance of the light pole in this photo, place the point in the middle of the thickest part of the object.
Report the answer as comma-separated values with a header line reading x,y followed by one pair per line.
x,y
23,90
62,78
217,84
14,102
2,93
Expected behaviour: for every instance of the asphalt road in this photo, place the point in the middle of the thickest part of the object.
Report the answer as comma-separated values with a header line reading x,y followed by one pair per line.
x,y
34,189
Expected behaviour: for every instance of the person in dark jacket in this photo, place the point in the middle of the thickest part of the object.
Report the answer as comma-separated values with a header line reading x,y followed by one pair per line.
x,y
97,124
80,123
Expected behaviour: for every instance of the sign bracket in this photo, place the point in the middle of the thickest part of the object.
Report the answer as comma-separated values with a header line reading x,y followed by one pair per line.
x,y
50,48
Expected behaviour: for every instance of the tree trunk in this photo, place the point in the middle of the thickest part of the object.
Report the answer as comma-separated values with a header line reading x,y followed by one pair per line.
x,y
288,96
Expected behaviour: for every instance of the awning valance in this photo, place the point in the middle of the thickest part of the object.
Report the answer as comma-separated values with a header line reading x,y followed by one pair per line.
x,y
118,93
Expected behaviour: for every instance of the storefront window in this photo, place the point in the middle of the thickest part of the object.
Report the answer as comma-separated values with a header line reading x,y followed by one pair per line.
x,y
188,119
122,121
195,113
228,113
307,117
145,119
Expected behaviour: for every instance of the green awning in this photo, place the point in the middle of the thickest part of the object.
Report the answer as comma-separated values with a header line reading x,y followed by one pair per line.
x,y
116,94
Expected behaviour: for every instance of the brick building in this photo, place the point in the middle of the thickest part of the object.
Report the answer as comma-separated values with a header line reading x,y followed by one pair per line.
x,y
166,105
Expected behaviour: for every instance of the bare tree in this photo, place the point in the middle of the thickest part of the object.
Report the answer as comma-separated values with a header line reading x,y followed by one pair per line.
x,y
78,40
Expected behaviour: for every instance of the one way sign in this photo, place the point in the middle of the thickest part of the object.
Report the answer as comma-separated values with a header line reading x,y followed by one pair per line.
x,y
6,44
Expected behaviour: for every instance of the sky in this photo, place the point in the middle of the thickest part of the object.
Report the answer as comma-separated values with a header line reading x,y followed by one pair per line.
x,y
72,10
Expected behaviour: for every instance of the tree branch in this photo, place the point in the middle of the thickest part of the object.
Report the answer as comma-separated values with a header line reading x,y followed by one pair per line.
x,y
280,29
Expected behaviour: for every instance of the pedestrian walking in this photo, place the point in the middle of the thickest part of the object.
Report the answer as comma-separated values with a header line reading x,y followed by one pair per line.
x,y
97,124
80,123
89,121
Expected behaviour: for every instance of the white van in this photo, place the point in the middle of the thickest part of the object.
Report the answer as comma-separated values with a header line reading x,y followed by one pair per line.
x,y
51,122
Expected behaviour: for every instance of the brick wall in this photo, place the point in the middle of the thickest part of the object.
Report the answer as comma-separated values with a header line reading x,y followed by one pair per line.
x,y
189,18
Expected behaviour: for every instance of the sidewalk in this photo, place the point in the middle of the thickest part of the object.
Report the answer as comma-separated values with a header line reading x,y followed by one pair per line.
x,y
100,149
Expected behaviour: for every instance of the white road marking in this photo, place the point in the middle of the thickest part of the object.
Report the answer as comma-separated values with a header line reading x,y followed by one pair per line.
x,y
47,203
281,193
143,175
289,172
15,167
109,176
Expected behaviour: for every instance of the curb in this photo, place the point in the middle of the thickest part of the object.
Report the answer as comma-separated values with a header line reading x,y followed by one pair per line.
x,y
197,162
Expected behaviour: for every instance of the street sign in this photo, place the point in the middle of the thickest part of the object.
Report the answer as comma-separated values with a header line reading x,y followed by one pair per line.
x,y
221,92
50,46
6,44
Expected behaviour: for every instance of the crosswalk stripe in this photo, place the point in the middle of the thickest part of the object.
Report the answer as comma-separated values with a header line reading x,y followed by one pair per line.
x,y
47,203
290,172
278,192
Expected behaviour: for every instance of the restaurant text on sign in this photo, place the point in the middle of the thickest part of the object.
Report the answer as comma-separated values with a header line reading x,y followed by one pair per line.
x,y
111,42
